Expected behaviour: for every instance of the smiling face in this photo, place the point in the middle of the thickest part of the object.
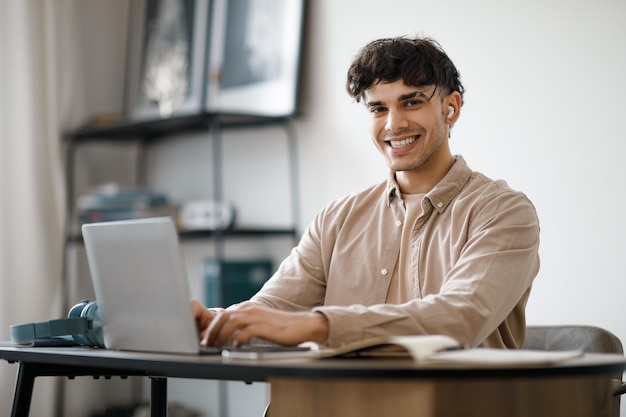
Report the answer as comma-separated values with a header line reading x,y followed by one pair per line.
x,y
410,126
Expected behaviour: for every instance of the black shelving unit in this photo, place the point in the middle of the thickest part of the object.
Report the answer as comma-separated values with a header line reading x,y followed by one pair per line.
x,y
148,132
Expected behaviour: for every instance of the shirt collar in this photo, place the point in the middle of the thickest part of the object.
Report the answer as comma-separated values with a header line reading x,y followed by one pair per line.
x,y
441,194
393,189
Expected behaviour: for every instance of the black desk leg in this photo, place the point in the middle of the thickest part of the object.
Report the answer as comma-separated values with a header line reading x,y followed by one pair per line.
x,y
158,397
23,390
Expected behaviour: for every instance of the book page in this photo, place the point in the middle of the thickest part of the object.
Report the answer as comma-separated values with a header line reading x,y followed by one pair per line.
x,y
415,347
423,349
502,357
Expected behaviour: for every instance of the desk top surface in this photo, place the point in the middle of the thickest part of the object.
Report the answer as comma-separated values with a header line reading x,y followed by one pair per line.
x,y
76,361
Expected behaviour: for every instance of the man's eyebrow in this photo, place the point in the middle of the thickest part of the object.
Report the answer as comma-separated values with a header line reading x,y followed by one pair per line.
x,y
408,96
374,103
414,94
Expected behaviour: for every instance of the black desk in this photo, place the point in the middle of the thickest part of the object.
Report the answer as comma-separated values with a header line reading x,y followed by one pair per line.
x,y
350,387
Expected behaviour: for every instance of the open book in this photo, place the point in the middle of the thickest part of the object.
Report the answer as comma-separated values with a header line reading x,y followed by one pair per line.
x,y
423,349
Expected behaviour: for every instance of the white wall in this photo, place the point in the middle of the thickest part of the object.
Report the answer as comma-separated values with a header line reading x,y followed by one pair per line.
x,y
544,84
545,90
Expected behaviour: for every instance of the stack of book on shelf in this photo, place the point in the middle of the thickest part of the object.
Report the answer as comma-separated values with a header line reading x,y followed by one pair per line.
x,y
111,202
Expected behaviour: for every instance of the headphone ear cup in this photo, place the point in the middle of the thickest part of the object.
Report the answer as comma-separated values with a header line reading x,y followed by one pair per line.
x,y
77,309
93,335
76,312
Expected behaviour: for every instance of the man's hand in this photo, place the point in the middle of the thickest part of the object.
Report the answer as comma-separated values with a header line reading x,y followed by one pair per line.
x,y
241,323
203,316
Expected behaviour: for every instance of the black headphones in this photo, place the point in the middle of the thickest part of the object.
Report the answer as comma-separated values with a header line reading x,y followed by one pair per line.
x,y
82,326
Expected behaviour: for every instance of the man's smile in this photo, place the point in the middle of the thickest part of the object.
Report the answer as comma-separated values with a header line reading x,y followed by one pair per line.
x,y
401,143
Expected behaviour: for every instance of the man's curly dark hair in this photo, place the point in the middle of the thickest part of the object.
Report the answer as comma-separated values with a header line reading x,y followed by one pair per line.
x,y
415,61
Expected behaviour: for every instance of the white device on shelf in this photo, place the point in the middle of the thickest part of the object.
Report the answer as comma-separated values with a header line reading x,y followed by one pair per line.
x,y
207,215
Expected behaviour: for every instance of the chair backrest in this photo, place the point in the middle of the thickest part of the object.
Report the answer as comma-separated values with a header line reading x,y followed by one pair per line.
x,y
591,339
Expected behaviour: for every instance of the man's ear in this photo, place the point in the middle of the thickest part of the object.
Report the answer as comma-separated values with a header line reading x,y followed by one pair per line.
x,y
453,103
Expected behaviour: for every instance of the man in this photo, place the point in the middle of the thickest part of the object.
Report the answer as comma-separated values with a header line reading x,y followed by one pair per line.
x,y
435,249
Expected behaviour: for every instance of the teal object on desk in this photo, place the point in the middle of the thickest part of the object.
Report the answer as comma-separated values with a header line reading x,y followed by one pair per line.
x,y
230,282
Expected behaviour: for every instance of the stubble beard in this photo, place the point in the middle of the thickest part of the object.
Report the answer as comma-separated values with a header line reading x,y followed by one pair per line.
x,y
423,157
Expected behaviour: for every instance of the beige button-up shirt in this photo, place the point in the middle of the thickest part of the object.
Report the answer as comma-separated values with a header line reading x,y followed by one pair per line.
x,y
473,255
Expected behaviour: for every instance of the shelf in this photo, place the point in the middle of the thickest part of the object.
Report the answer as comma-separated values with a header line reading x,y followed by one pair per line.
x,y
201,234
234,233
124,130
149,132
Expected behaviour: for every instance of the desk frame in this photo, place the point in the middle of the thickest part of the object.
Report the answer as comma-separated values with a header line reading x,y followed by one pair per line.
x,y
298,382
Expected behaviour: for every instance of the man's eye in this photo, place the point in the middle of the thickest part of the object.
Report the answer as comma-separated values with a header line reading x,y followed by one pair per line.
x,y
413,103
375,110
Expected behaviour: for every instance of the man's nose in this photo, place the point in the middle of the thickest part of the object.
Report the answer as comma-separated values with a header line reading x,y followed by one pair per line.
x,y
396,121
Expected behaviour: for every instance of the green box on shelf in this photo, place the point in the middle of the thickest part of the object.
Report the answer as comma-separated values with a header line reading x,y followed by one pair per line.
x,y
231,281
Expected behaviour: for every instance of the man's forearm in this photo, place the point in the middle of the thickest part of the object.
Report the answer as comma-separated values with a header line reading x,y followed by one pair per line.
x,y
319,327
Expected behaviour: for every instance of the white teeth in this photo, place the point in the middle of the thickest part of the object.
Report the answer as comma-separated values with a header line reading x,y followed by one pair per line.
x,y
402,143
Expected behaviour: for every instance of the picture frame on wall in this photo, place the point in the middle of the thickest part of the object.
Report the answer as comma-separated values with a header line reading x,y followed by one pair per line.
x,y
166,58
254,57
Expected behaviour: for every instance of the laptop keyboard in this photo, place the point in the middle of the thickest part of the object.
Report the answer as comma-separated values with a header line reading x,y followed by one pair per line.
x,y
252,348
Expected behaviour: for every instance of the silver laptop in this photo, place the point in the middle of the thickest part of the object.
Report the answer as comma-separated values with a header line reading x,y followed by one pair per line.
x,y
141,286
141,290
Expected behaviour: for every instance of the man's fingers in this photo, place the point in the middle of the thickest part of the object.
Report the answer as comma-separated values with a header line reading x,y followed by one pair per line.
x,y
239,326
221,328
251,328
231,327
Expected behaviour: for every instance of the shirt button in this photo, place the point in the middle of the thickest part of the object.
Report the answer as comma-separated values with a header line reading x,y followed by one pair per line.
x,y
440,204
384,271
398,223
